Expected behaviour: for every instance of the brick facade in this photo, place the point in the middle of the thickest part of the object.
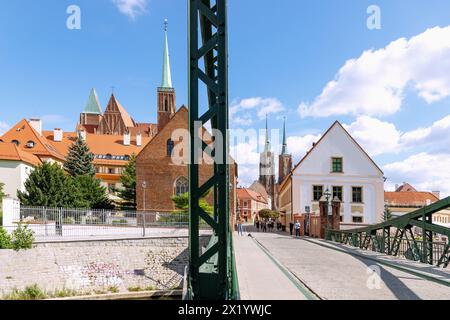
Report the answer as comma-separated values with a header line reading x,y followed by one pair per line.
x,y
157,169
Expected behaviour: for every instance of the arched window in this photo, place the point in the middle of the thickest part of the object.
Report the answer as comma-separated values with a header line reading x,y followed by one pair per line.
x,y
170,146
181,186
166,105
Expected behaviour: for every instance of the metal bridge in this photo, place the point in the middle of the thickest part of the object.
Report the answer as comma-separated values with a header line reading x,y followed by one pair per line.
x,y
212,273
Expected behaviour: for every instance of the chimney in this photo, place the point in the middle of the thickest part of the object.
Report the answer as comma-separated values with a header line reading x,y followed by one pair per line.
x,y
139,139
126,138
437,194
57,135
82,134
37,125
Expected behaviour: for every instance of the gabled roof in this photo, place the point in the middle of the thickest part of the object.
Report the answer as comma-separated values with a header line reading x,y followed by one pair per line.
x,y
244,193
24,133
336,123
113,104
406,187
410,198
93,105
9,151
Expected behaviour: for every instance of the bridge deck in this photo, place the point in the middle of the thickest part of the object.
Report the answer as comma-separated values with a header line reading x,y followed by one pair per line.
x,y
330,271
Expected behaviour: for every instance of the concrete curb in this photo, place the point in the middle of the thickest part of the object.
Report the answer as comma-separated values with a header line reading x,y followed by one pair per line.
x,y
142,295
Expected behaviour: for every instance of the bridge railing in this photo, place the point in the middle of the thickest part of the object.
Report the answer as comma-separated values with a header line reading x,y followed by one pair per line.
x,y
400,236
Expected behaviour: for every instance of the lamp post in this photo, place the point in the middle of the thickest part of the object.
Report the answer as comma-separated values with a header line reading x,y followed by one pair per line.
x,y
144,186
328,195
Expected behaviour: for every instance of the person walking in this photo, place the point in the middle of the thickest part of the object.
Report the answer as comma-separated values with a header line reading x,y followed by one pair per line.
x,y
257,225
297,229
291,228
239,225
264,226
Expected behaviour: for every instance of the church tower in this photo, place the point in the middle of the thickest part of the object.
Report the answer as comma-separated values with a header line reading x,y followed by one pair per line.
x,y
91,116
284,159
166,92
267,169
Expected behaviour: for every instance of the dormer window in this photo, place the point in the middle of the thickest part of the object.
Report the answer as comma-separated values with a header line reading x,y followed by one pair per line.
x,y
337,165
31,144
108,156
16,142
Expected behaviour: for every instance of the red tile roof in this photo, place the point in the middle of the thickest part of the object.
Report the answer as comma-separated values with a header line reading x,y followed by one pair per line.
x,y
244,193
9,151
409,198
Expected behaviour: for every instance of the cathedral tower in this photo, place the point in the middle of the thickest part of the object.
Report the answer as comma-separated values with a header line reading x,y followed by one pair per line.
x,y
91,116
166,93
284,159
267,169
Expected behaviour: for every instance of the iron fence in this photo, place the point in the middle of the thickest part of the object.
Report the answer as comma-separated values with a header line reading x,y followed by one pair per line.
x,y
66,223
410,249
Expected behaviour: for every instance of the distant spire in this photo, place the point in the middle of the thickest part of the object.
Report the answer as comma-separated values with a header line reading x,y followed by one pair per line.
x,y
166,75
284,150
267,145
93,105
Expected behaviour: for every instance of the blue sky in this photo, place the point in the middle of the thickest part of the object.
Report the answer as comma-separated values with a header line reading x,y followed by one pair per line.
x,y
281,57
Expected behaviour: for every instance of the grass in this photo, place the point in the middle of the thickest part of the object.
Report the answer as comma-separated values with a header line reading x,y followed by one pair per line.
x,y
139,289
29,293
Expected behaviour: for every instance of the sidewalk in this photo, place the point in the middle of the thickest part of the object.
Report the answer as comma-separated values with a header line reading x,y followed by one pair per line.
x,y
259,277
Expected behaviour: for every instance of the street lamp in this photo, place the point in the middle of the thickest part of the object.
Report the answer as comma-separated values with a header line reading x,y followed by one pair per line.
x,y
328,195
144,186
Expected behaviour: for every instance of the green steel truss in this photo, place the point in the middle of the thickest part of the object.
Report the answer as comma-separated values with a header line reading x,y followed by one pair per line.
x,y
211,273
382,238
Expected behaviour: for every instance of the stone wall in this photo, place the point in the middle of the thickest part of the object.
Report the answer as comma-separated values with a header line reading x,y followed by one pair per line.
x,y
97,266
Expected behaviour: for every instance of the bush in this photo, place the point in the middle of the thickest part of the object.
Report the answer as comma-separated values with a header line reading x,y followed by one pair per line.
x,y
22,238
29,293
69,220
5,239
120,222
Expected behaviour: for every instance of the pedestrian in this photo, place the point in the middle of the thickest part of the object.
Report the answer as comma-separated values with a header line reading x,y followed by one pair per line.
x,y
239,225
291,227
297,229
257,225
264,226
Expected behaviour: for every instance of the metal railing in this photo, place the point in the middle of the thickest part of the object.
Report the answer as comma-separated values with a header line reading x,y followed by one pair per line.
x,y
66,223
407,248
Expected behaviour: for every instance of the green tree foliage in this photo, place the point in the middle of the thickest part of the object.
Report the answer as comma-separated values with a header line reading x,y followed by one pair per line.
x,y
2,195
92,194
79,159
22,238
267,214
5,239
182,203
387,214
49,186
128,180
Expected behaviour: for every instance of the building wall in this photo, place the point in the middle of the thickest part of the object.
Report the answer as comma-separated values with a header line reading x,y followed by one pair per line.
x,y
14,174
358,171
285,198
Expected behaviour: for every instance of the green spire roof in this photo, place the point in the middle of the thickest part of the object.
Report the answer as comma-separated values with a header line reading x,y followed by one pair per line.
x,y
267,146
93,106
284,150
166,74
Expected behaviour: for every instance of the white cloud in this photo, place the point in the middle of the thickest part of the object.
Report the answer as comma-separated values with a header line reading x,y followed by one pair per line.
x,y
375,136
131,8
436,137
426,172
247,156
299,145
262,106
3,127
374,84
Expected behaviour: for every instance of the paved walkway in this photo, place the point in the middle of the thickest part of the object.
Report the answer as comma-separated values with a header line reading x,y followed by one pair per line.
x,y
336,275
260,278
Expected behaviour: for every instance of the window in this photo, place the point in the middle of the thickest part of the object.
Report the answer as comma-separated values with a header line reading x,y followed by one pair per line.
x,y
31,144
337,193
111,171
317,193
341,218
336,165
357,194
245,204
16,142
181,186
357,219
108,156
170,146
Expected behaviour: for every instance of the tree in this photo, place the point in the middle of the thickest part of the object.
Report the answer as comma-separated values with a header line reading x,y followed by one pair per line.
x,y
182,203
92,194
79,159
387,214
49,186
128,180
268,214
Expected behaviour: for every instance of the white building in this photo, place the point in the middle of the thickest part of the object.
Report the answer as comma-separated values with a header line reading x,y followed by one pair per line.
x,y
15,167
337,163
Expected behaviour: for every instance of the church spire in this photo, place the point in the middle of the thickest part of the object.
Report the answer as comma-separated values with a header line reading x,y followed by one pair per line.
x,y
284,151
267,145
166,74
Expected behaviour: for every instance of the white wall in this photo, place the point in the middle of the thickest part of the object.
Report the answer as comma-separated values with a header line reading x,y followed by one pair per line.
x,y
14,174
359,171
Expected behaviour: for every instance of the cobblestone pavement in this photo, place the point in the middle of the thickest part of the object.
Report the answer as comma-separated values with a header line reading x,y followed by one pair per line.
x,y
338,275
